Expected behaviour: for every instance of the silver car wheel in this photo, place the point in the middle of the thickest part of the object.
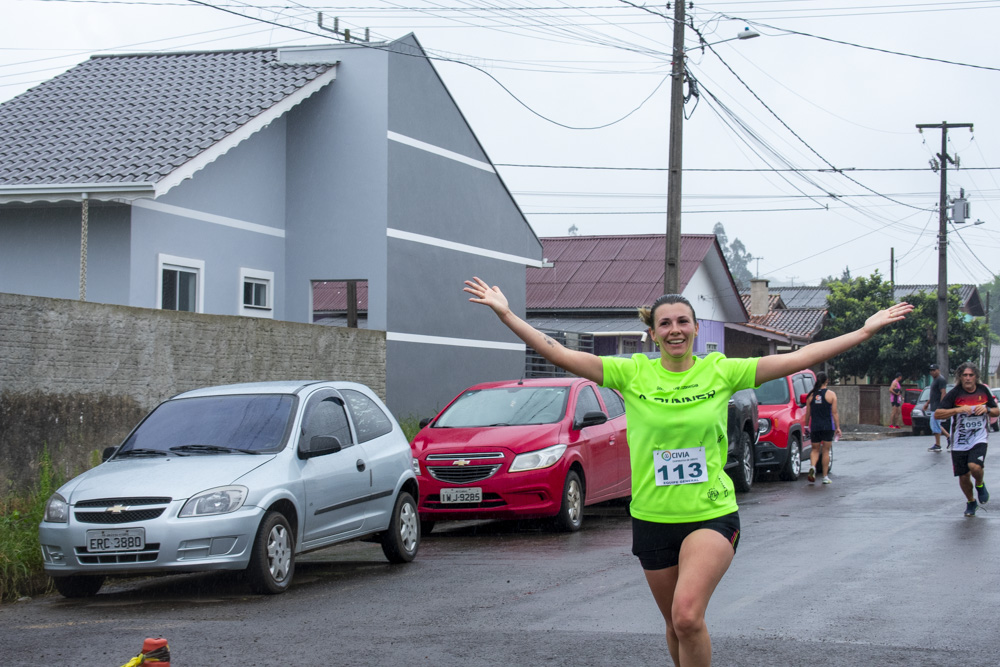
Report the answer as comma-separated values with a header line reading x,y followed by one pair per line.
x,y
796,460
272,558
574,496
570,516
747,462
401,538
279,553
409,526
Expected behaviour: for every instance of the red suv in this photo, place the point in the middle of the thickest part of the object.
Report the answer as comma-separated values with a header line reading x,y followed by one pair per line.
x,y
523,449
781,443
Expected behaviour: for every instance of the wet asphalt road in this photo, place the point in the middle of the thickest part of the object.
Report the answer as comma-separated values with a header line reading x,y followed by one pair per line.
x,y
878,568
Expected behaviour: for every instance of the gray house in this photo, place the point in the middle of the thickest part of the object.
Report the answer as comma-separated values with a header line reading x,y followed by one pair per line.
x,y
235,182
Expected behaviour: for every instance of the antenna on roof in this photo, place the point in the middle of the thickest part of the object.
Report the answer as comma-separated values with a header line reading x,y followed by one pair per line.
x,y
346,34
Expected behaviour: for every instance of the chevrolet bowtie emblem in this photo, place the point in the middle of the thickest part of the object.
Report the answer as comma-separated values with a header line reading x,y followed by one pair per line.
x,y
116,509
461,462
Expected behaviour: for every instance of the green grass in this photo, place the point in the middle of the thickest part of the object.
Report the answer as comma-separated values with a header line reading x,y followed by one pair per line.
x,y
21,570
410,426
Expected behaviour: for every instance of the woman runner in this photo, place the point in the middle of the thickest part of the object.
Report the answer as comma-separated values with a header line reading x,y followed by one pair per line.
x,y
685,526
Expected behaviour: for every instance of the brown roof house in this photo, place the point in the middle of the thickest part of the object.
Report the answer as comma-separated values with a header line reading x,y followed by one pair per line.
x,y
589,296
773,327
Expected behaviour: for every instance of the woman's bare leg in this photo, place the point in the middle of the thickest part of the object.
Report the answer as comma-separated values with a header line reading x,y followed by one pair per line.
x,y
682,593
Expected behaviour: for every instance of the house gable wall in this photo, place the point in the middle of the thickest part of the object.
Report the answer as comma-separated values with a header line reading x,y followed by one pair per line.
x,y
337,184
704,296
245,189
445,191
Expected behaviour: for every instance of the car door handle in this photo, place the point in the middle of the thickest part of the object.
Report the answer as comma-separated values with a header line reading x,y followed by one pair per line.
x,y
361,465
612,440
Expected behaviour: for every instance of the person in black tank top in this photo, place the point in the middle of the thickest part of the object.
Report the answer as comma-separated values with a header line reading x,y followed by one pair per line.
x,y
824,426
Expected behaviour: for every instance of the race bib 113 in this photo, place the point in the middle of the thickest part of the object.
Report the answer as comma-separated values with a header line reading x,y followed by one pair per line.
x,y
679,466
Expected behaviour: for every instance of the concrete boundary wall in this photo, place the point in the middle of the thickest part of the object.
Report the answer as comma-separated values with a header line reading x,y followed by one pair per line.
x,y
76,376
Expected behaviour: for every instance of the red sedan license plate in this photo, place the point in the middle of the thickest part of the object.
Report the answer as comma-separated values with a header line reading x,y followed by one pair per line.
x,y
471,495
121,539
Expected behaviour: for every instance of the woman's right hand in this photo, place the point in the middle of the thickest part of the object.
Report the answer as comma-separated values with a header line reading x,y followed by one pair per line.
x,y
488,296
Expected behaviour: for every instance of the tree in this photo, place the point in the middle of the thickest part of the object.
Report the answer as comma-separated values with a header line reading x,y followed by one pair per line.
x,y
906,347
993,289
737,257
846,275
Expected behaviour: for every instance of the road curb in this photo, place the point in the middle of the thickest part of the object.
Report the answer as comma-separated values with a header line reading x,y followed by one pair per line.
x,y
875,435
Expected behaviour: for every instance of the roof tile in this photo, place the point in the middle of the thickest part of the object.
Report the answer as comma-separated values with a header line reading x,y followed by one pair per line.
x,y
136,118
610,271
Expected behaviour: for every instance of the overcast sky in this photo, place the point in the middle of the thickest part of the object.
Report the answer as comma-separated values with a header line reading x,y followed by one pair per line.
x,y
551,88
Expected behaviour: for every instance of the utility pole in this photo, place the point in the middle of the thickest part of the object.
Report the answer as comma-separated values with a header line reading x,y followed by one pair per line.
x,y
671,266
892,269
988,343
942,296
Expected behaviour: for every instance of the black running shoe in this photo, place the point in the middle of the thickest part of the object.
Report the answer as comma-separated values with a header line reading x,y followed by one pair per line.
x,y
935,448
984,495
970,508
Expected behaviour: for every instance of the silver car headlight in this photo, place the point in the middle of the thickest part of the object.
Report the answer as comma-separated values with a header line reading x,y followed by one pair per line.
x,y
221,500
56,509
543,458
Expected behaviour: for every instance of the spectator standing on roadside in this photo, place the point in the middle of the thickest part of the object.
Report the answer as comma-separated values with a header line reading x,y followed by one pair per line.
x,y
685,524
968,407
933,402
896,400
824,426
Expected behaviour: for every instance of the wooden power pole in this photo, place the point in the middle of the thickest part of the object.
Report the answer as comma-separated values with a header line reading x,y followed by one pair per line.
x,y
942,295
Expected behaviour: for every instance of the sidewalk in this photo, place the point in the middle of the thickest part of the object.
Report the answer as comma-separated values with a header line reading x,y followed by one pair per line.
x,y
855,432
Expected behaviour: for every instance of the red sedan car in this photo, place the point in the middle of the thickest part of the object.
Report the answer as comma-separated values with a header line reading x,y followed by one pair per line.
x,y
523,449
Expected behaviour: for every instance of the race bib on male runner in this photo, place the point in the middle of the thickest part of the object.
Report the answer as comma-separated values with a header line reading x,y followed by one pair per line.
x,y
971,429
679,466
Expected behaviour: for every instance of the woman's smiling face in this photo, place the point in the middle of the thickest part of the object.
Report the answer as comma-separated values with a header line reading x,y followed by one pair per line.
x,y
674,329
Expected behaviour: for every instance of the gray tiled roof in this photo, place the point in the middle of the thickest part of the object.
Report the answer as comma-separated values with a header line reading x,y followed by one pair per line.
x,y
815,297
799,322
136,118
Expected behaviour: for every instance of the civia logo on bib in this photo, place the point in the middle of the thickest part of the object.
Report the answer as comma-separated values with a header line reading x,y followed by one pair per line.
x,y
669,456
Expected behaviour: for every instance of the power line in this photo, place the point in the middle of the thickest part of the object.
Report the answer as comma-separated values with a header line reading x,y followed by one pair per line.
x,y
861,46
830,170
664,210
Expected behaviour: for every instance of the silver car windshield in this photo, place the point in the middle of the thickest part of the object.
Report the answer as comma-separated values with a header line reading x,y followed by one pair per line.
x,y
248,424
506,407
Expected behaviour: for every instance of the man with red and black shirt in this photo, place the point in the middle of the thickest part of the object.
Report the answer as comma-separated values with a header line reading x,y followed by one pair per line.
x,y
968,408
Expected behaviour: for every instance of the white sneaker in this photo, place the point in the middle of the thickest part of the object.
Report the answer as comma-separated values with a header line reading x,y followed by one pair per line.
x,y
826,480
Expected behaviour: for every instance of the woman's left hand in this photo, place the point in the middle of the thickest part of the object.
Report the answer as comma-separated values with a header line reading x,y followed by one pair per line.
x,y
893,313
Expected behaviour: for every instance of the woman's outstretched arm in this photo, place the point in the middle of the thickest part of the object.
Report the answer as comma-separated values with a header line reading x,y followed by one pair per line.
x,y
579,363
779,365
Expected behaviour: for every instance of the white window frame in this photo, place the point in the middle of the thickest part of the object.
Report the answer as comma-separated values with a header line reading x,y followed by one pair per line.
x,y
711,347
257,276
196,266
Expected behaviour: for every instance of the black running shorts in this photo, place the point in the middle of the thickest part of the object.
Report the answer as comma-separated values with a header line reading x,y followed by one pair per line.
x,y
960,460
658,545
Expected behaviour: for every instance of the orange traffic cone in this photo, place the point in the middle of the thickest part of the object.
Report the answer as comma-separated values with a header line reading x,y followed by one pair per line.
x,y
155,651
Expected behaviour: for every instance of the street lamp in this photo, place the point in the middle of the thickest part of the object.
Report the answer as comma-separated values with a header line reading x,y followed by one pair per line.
x,y
672,259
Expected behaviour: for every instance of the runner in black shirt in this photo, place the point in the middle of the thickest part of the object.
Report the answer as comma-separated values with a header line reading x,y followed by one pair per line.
x,y
968,407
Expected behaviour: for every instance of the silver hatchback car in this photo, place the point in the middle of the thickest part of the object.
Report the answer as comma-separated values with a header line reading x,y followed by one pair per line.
x,y
239,477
